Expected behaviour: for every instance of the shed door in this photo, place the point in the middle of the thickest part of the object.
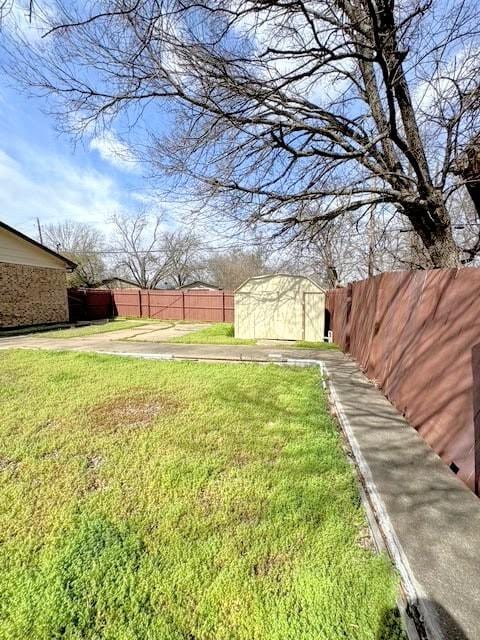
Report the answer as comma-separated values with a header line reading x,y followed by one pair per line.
x,y
278,316
313,305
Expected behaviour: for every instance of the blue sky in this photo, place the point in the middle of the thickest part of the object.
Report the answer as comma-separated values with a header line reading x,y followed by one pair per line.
x,y
45,174
42,173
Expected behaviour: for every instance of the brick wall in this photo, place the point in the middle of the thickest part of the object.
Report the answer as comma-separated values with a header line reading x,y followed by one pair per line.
x,y
31,295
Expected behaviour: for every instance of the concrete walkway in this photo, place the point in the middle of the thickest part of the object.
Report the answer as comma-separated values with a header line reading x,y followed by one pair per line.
x,y
429,521
117,342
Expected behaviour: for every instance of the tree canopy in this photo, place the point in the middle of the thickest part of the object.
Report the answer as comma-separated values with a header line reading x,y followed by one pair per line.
x,y
290,113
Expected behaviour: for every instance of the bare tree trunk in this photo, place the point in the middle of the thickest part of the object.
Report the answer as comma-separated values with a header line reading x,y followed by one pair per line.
x,y
442,249
331,277
433,226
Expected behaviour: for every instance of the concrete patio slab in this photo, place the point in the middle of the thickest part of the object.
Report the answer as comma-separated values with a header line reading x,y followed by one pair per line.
x,y
163,333
151,331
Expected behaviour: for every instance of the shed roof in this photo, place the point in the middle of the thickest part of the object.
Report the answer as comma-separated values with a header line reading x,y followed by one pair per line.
x,y
69,263
276,275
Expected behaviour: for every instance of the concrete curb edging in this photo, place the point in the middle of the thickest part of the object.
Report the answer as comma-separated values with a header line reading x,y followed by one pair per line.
x,y
379,522
413,616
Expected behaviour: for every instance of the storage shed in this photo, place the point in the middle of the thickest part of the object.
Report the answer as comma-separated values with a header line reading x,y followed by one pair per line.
x,y
280,307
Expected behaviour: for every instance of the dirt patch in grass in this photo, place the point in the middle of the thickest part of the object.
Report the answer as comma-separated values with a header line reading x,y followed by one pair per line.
x,y
131,411
365,540
272,563
6,464
49,423
241,459
94,462
207,500
50,455
212,502
94,481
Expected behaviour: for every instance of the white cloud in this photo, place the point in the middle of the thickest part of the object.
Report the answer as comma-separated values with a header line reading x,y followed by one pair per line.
x,y
54,190
460,71
114,151
19,21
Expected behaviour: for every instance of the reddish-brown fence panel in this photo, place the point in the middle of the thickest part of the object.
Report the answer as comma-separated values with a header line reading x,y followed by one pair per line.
x,y
163,305
89,304
127,302
417,334
213,306
195,305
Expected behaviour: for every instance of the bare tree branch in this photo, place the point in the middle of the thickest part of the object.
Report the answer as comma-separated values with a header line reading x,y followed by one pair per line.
x,y
287,114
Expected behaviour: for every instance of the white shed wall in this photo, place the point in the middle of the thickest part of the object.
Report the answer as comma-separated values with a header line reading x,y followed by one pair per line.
x,y
280,307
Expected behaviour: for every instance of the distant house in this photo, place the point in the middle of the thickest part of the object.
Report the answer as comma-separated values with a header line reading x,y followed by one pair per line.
x,y
33,288
117,283
199,284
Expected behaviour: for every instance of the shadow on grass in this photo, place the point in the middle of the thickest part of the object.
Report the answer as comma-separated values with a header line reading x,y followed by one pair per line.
x,y
441,625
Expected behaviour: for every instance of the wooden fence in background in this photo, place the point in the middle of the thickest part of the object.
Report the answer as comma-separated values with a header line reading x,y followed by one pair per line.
x,y
193,304
89,304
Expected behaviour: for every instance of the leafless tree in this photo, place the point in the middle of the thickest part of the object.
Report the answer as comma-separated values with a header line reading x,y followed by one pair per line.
x,y
349,249
5,9
229,269
288,113
465,208
334,257
184,253
137,245
7,6
83,244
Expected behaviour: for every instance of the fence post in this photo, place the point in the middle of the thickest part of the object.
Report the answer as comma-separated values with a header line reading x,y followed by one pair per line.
x,y
183,305
139,303
148,303
223,305
348,316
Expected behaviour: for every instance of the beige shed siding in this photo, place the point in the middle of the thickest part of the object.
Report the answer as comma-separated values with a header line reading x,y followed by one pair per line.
x,y
280,307
314,318
32,295
15,250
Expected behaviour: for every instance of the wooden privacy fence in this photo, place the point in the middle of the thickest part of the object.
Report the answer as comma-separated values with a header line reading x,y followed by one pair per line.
x,y
89,304
194,305
417,335
202,305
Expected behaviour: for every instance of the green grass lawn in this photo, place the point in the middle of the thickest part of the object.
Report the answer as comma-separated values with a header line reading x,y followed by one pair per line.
x,y
223,333
146,500
305,344
220,333
79,332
